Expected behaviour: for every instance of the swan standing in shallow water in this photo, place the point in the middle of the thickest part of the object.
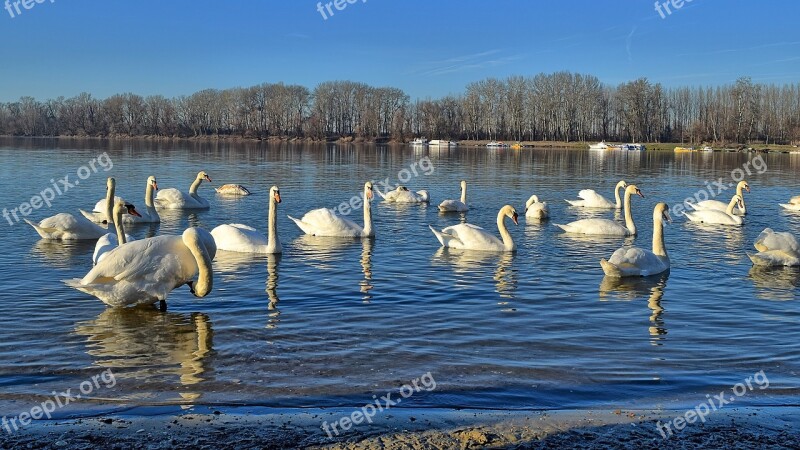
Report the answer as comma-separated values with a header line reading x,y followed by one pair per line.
x,y
714,217
722,206
240,238
471,237
793,205
591,199
607,227
111,241
536,210
324,222
775,249
175,199
145,272
403,195
232,189
456,205
636,262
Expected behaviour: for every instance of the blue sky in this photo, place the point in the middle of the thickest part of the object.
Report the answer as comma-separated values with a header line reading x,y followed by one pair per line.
x,y
428,48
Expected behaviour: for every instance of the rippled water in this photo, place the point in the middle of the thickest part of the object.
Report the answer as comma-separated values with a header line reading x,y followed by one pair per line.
x,y
333,322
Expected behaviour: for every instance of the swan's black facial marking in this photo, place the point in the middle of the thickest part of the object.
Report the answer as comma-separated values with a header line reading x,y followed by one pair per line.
x,y
132,210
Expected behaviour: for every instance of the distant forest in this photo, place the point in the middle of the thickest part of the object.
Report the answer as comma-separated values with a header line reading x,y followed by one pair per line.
x,y
561,106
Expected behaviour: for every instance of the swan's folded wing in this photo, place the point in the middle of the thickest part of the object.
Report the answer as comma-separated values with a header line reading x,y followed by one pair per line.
x,y
138,257
472,236
770,240
591,196
324,222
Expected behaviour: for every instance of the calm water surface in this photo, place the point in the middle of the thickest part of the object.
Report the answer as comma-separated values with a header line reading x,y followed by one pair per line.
x,y
334,322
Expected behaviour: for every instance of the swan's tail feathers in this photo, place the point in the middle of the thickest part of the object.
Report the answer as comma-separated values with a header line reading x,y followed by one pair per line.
x,y
380,194
610,269
756,259
43,232
575,202
563,227
302,225
443,238
790,206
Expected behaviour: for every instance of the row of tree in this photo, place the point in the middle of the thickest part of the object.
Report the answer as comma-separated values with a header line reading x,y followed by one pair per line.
x,y
562,106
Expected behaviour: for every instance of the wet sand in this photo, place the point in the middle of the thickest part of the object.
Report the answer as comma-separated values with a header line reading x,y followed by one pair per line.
x,y
736,428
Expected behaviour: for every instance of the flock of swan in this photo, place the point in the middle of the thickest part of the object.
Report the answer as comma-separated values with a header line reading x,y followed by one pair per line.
x,y
131,272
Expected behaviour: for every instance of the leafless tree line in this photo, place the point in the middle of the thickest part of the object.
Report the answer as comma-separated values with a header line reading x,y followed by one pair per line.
x,y
561,106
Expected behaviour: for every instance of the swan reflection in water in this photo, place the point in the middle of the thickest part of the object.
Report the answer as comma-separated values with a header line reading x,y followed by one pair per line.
x,y
365,285
150,345
634,288
468,263
273,261
64,254
775,283
322,252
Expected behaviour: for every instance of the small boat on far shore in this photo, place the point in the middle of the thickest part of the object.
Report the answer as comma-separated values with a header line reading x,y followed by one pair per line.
x,y
419,141
684,149
442,143
599,146
496,144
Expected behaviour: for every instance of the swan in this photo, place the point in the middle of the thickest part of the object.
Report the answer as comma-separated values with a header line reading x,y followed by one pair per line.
x,y
103,210
175,199
232,189
403,195
471,237
536,210
324,222
605,226
240,238
591,199
110,241
776,249
150,215
712,216
722,206
456,205
793,205
637,262
144,272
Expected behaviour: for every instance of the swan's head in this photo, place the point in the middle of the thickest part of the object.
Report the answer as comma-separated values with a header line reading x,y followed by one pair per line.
x,y
622,184
463,184
633,189
368,190
743,185
661,212
110,183
151,181
511,213
202,175
275,194
533,199
121,207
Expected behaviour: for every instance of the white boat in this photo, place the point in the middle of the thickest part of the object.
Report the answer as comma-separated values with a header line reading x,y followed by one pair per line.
x,y
496,144
708,149
599,146
440,143
419,141
633,147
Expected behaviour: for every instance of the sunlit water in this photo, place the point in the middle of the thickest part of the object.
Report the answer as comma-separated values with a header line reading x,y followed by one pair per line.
x,y
334,322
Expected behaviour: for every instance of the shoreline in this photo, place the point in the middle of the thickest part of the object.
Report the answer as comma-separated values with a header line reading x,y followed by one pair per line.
x,y
414,428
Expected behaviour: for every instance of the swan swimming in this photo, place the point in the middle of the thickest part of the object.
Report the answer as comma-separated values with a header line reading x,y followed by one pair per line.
x,y
637,262
471,237
403,195
722,206
240,238
172,198
536,210
715,217
456,205
324,222
591,199
606,227
775,249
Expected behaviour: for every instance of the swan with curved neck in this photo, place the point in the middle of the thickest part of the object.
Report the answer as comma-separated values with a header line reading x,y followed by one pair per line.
x,y
714,217
456,205
324,222
591,199
607,227
103,211
637,262
175,199
235,237
775,249
145,272
470,237
722,206
536,210
65,226
150,215
111,241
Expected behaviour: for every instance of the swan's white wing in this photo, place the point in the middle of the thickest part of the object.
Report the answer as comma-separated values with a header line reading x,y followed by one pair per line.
x,y
709,204
595,226
324,222
453,205
106,244
236,237
68,226
100,206
472,237
712,216
172,198
592,199
770,240
636,261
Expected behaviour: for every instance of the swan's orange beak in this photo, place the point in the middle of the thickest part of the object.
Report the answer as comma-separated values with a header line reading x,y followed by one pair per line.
x,y
208,178
277,197
369,194
132,210
155,185
747,187
514,217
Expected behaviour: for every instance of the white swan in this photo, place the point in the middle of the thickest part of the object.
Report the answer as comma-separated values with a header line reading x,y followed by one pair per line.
x,y
232,189
149,215
103,210
146,271
456,205
637,262
712,216
471,237
110,241
240,238
324,222
591,199
793,205
536,210
607,227
175,199
403,195
722,206
776,249
65,226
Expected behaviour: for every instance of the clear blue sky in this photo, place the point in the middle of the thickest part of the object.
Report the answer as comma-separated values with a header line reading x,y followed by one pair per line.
x,y
428,48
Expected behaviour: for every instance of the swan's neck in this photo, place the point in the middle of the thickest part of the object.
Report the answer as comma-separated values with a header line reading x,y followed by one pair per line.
x,y
732,205
508,242
110,205
272,226
120,230
740,193
658,236
629,214
205,277
616,196
148,196
193,188
464,194
367,217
